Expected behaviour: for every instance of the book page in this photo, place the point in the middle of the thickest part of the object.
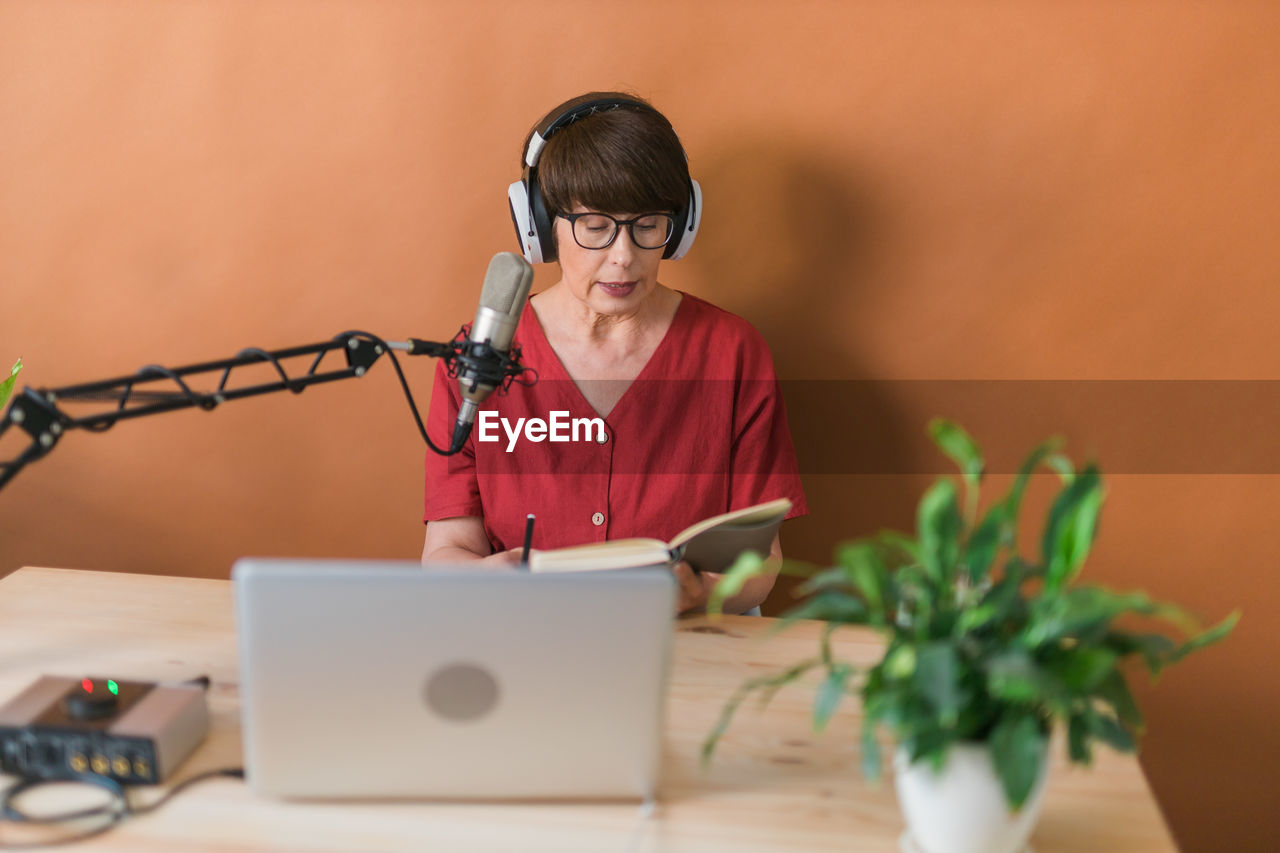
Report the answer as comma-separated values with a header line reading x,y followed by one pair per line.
x,y
617,554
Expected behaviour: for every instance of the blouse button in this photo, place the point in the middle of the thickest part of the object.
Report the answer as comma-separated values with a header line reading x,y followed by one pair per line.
x,y
602,437
597,519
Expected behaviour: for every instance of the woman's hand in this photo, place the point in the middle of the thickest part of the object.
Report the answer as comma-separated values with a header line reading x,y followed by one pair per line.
x,y
501,560
694,589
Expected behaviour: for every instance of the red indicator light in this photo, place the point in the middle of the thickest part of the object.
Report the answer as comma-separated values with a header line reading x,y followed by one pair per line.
x,y
87,685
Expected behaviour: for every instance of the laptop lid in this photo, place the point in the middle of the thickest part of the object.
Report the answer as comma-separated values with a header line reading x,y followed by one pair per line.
x,y
376,679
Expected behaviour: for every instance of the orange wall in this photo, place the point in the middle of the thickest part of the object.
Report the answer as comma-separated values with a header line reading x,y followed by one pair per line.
x,y
895,192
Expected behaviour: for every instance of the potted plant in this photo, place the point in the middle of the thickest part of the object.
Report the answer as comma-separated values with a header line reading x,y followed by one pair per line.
x,y
986,649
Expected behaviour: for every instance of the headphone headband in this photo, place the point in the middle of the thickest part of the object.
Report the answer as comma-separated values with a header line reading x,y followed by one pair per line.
x,y
581,111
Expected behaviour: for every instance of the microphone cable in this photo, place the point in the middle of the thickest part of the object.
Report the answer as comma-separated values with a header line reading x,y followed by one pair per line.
x,y
507,371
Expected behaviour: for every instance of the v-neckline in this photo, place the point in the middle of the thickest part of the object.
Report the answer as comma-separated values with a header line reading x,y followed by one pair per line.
x,y
648,365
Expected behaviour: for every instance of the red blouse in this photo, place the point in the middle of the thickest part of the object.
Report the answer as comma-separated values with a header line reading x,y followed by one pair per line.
x,y
701,431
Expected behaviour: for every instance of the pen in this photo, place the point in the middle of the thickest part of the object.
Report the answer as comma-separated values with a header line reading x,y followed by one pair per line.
x,y
528,538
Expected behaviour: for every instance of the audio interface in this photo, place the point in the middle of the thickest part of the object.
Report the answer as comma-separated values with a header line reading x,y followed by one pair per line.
x,y
131,731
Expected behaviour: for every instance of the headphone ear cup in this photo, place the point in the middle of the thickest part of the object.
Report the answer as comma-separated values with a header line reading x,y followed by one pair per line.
x,y
685,225
542,223
526,235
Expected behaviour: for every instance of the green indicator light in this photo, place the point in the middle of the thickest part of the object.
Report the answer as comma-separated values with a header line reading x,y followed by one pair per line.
x,y
113,687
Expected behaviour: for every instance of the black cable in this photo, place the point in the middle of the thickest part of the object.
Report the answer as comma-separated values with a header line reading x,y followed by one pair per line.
x,y
404,383
12,813
115,811
227,772
526,376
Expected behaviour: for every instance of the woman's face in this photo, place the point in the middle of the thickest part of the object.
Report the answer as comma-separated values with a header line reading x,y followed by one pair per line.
x,y
613,280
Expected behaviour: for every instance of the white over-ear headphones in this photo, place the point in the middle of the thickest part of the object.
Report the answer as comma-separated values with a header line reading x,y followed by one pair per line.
x,y
529,210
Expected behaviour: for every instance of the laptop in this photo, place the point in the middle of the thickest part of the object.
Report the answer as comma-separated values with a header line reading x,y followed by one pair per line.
x,y
377,679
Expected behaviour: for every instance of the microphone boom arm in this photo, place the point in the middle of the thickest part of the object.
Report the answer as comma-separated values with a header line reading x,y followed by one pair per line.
x,y
39,414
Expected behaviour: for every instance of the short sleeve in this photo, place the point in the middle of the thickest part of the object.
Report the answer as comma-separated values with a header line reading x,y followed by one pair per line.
x,y
451,485
762,458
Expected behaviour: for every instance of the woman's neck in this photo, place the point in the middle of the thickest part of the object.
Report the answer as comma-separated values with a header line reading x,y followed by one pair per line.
x,y
570,319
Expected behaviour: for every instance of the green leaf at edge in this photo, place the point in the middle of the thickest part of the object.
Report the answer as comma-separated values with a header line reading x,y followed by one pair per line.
x,y
6,387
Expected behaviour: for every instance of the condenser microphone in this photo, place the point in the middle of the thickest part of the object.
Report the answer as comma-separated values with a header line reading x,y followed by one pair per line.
x,y
506,289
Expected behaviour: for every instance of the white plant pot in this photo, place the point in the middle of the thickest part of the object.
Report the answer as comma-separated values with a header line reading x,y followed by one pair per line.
x,y
962,808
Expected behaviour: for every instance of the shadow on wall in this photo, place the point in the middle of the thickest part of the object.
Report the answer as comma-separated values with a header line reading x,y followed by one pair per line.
x,y
785,238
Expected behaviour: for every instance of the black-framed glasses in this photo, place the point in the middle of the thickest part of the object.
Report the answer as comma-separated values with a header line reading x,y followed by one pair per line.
x,y
599,230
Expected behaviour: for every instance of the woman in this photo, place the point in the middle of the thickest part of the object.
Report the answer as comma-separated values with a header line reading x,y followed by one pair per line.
x,y
694,425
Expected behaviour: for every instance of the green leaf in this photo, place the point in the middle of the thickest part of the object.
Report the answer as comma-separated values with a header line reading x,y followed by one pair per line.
x,y
938,526
900,544
1207,638
6,387
1078,746
973,618
1109,730
1082,668
831,606
957,444
824,644
830,692
1005,596
834,578
1086,610
1017,747
1070,530
1011,507
952,440
1033,461
868,575
1015,677
937,677
1062,465
1115,691
748,565
984,543
1156,649
900,663
768,684
931,745
870,750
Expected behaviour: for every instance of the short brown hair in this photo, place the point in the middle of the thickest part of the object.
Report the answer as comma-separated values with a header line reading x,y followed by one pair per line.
x,y
623,160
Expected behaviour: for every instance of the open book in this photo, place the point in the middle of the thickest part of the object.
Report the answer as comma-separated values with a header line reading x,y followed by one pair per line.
x,y
711,545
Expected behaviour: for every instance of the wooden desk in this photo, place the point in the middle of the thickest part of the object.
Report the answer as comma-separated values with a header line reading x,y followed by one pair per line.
x,y
773,785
